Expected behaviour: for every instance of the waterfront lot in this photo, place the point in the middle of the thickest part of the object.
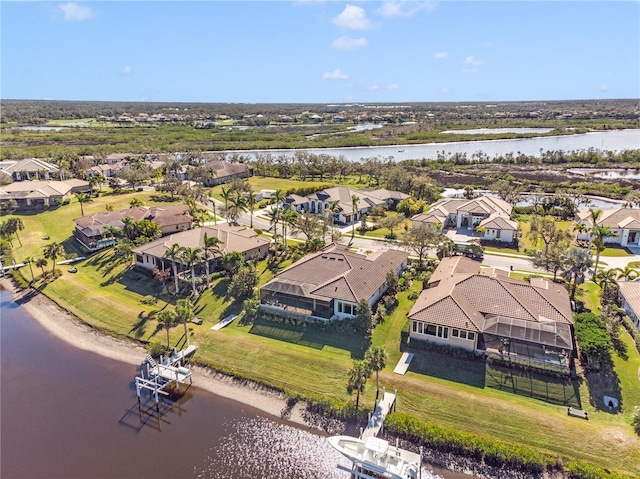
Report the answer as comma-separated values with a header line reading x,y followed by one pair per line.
x,y
459,394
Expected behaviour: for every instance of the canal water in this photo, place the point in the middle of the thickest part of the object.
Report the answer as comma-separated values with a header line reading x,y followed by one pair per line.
x,y
612,140
68,413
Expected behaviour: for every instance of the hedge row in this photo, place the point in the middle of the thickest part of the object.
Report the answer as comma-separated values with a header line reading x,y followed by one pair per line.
x,y
582,470
488,451
477,448
633,331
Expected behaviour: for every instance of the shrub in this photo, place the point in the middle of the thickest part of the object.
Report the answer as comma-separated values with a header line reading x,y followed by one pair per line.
x,y
635,420
477,448
632,330
582,470
156,349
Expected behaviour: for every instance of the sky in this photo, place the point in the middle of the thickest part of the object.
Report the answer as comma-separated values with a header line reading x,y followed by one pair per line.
x,y
320,51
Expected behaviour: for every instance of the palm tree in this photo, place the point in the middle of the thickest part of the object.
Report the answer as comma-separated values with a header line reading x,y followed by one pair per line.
x,y
28,260
274,216
210,247
627,273
251,199
599,234
606,278
578,262
238,206
167,319
288,219
191,256
354,204
53,251
41,263
16,225
174,252
358,376
376,357
226,196
135,202
83,197
184,313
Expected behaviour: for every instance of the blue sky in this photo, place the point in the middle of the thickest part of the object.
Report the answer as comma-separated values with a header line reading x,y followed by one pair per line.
x,y
320,51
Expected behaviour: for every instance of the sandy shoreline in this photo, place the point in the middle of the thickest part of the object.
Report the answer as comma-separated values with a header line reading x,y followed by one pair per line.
x,y
70,329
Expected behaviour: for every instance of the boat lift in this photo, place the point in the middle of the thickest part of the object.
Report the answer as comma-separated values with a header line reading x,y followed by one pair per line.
x,y
159,377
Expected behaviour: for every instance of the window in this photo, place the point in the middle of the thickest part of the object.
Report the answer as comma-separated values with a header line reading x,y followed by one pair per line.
x,y
346,308
471,336
455,333
139,258
431,329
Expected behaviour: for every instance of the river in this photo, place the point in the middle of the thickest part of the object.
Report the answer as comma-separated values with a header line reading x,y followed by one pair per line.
x,y
68,413
613,140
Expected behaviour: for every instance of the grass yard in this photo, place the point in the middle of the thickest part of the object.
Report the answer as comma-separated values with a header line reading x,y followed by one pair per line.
x,y
616,252
58,225
513,407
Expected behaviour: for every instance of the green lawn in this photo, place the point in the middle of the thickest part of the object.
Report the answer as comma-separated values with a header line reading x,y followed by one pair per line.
x,y
616,252
490,401
57,223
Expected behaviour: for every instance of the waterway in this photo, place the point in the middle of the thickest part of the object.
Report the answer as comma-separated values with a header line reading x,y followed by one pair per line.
x,y
68,413
613,140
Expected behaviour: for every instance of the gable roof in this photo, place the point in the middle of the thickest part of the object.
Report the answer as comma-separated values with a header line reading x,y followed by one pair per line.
x,y
336,273
232,238
31,165
222,169
499,222
41,189
626,218
167,215
490,295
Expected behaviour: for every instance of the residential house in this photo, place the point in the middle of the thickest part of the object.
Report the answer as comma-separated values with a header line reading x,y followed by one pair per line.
x,y
92,231
30,169
629,293
232,239
339,200
624,222
35,193
220,172
492,215
329,284
487,311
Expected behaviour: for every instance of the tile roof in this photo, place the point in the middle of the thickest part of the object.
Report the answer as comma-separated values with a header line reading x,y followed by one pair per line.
x,y
164,215
613,217
630,290
31,165
335,272
490,295
233,238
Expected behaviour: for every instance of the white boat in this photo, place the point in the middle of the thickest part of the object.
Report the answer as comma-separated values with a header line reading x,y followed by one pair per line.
x,y
374,458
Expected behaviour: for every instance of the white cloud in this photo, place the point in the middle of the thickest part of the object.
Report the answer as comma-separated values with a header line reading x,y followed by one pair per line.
x,y
75,13
126,70
352,18
335,75
440,55
393,86
604,87
347,43
472,61
404,8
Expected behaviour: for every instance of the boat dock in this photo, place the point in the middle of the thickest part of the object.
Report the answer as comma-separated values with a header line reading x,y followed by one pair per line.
x,y
376,420
160,376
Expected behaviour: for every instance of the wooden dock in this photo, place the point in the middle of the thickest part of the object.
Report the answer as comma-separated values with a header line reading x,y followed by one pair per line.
x,y
376,420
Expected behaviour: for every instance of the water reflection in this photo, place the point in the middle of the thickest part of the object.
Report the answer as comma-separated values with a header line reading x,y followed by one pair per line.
x,y
261,448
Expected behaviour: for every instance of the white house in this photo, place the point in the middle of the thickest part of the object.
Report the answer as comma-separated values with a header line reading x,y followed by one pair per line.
x,y
624,223
629,292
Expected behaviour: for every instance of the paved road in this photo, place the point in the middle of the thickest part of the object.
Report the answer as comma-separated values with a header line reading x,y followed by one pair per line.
x,y
495,260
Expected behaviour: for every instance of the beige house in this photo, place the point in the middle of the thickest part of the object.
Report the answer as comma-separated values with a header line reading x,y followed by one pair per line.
x,y
30,169
232,238
339,200
624,222
35,193
92,231
490,312
629,292
492,214
329,284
